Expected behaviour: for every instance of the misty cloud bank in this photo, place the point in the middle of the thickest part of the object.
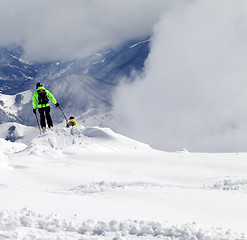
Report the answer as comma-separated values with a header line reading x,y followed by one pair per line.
x,y
61,29
193,91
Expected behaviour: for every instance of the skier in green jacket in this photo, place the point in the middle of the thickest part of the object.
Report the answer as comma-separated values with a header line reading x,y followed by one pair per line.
x,y
41,97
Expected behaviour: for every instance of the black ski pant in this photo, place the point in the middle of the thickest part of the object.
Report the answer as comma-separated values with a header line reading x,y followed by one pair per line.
x,y
45,114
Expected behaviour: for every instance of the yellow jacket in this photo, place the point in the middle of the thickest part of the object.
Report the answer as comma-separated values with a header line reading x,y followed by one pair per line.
x,y
71,123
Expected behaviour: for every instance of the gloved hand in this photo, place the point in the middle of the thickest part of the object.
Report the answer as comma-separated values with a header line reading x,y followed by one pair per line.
x,y
34,111
57,104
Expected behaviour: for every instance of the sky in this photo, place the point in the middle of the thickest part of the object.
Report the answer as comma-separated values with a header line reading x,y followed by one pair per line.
x,y
192,93
61,29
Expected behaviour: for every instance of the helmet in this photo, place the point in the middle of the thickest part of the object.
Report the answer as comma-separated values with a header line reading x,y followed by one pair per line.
x,y
71,118
38,85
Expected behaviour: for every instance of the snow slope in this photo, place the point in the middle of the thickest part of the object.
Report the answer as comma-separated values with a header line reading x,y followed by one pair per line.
x,y
11,105
92,183
16,132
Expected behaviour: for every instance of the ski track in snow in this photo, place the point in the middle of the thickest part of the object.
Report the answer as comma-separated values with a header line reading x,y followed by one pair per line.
x,y
27,224
229,184
100,187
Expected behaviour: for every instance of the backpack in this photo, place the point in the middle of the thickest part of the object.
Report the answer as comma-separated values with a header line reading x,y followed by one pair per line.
x,y
42,97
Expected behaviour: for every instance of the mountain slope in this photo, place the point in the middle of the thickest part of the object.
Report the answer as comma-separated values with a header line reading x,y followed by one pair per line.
x,y
87,182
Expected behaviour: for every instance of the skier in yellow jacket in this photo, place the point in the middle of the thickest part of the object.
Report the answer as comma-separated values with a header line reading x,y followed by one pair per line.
x,y
41,97
71,122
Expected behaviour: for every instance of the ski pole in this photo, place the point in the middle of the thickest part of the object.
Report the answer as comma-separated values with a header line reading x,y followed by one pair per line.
x,y
63,114
38,123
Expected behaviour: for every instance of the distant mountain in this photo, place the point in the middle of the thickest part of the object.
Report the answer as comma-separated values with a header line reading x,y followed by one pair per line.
x,y
14,71
78,84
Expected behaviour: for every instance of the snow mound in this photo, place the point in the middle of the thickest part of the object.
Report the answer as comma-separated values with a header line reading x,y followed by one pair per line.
x,y
27,224
89,139
58,139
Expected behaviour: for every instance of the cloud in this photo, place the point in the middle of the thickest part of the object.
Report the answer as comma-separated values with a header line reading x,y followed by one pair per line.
x,y
62,29
193,91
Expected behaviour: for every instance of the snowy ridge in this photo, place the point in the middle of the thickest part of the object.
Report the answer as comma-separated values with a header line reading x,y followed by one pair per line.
x,y
90,139
27,224
140,43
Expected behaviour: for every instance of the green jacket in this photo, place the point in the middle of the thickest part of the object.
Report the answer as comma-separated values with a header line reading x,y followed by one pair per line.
x,y
36,98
